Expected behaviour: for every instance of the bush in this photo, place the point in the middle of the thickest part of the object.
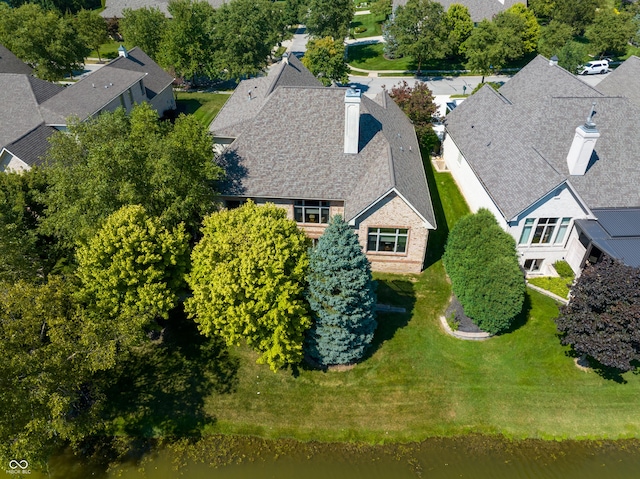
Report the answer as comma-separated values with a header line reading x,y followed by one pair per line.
x,y
480,258
360,29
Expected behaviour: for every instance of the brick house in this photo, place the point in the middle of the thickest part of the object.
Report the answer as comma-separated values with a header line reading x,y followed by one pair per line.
x,y
319,152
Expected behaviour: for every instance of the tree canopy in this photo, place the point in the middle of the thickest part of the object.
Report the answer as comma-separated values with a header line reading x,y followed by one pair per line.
x,y
117,159
341,296
602,319
458,26
555,36
329,18
92,29
145,28
611,32
480,258
247,277
418,28
45,40
325,59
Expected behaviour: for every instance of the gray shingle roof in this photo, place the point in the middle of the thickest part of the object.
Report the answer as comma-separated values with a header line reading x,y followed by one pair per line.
x,y
9,63
114,8
241,108
86,97
518,149
19,112
623,81
294,148
478,9
32,147
138,61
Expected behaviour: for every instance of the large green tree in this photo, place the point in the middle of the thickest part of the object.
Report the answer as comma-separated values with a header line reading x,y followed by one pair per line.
x,y
555,36
523,24
92,29
458,26
188,46
325,59
418,28
246,31
611,32
481,261
577,13
602,319
115,160
45,40
329,18
131,272
145,28
484,49
341,296
247,277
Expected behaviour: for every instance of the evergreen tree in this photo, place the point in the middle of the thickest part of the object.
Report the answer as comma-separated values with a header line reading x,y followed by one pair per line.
x,y
341,296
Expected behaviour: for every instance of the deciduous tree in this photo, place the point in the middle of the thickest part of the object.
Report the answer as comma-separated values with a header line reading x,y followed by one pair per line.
x,y
325,59
602,319
610,32
115,160
484,49
480,258
145,28
247,277
417,103
577,13
342,298
555,36
329,18
458,26
418,27
92,29
382,8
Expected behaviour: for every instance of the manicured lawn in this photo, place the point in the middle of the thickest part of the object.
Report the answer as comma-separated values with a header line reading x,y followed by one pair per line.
x,y
370,57
372,23
205,106
108,50
420,382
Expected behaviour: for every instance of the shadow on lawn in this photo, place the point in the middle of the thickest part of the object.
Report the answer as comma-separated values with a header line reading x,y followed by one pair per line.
x,y
438,237
161,388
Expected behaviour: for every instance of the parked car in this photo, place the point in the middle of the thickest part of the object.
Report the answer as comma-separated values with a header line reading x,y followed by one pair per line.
x,y
594,67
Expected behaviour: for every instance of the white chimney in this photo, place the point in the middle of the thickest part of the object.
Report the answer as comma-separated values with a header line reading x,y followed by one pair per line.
x,y
351,120
553,60
122,52
583,145
285,58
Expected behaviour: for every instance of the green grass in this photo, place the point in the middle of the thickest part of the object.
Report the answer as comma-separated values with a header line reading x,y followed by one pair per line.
x,y
558,286
372,23
370,57
205,106
108,50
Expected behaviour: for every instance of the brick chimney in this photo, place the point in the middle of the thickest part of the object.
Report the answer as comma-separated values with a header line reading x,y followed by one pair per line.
x,y
583,145
352,98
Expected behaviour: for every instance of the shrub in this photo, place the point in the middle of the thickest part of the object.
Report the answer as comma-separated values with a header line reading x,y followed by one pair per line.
x,y
360,29
480,258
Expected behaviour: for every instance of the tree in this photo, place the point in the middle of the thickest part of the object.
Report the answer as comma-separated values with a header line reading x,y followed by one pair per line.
x,y
554,37
131,272
92,29
481,261
144,28
610,32
527,27
188,47
484,49
571,56
248,281
325,59
382,8
115,160
417,103
458,25
577,13
418,27
43,39
246,31
294,12
602,319
341,296
329,18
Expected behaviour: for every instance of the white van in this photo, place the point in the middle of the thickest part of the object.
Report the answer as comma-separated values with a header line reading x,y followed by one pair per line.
x,y
594,67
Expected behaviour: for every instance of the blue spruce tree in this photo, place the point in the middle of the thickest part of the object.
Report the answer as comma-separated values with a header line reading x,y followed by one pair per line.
x,y
342,298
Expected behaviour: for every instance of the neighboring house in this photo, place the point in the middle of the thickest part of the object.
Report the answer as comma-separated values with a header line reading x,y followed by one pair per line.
x,y
9,63
114,8
556,161
34,109
478,9
318,152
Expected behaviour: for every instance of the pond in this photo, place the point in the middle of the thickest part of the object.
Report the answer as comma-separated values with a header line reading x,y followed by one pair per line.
x,y
476,457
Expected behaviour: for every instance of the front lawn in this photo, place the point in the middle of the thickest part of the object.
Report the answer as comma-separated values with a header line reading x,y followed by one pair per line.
x,y
372,23
371,57
205,106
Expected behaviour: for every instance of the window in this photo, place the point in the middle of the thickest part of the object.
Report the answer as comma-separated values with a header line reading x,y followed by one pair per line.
x,y
545,231
311,211
532,265
526,231
562,230
393,240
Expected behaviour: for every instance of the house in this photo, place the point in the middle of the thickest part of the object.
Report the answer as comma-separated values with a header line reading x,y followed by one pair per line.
x,y
34,109
556,161
9,63
319,152
478,9
114,8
